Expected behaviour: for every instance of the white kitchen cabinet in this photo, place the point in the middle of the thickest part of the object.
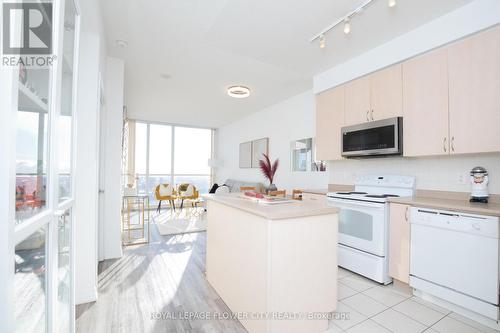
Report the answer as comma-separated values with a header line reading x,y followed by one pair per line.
x,y
386,95
399,242
474,76
357,101
329,121
425,105
374,97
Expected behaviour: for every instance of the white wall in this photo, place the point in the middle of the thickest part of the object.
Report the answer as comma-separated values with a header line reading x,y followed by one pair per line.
x,y
432,173
92,55
86,172
473,17
292,119
111,229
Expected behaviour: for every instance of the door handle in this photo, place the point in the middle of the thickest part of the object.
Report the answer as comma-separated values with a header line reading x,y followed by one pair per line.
x,y
444,144
453,144
372,114
406,213
367,115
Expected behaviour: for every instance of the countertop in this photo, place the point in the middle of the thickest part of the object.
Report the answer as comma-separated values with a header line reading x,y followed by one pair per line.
x,y
450,204
282,211
322,191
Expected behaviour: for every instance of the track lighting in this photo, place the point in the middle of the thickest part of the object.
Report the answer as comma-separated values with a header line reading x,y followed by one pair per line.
x,y
347,26
346,20
322,42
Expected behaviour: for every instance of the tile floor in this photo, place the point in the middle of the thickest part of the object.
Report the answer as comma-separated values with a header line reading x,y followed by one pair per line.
x,y
372,308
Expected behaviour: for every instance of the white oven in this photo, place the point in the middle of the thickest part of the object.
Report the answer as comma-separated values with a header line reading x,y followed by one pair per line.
x,y
362,225
363,234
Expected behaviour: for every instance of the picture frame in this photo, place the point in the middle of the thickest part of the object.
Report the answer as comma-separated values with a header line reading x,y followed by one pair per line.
x,y
245,155
259,147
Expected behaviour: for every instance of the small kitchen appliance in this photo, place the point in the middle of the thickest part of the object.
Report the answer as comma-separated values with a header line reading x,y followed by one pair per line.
x,y
373,138
479,185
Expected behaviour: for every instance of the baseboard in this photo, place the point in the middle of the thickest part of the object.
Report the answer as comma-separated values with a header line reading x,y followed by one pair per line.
x,y
458,309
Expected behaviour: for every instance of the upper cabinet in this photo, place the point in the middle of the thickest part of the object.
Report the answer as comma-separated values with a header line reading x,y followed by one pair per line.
x,y
386,93
449,99
425,105
357,101
329,121
474,76
374,97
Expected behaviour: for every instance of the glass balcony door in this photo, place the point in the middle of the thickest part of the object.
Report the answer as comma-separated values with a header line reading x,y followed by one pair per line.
x,y
168,154
36,184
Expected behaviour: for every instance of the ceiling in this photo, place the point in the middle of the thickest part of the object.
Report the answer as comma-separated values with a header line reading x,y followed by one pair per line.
x,y
206,46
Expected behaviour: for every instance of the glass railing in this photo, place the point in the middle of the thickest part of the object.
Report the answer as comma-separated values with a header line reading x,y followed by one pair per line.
x,y
147,185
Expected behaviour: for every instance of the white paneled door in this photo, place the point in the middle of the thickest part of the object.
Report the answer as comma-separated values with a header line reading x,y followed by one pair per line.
x,y
37,137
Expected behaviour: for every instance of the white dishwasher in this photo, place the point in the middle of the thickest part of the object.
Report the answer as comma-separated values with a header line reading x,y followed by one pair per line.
x,y
455,257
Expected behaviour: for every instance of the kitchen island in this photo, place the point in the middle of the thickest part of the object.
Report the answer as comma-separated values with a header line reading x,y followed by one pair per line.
x,y
275,266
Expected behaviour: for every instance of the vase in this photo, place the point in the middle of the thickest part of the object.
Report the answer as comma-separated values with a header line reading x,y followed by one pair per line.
x,y
271,187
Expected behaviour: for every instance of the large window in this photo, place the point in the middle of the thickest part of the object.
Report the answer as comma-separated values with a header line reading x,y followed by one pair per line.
x,y
165,154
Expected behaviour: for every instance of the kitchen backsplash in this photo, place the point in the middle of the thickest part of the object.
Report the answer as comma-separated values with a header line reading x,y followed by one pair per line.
x,y
445,173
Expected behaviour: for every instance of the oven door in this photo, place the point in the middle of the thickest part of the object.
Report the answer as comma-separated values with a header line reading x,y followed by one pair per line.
x,y
361,225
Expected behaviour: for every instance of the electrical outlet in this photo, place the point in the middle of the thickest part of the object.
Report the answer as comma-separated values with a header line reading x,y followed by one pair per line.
x,y
462,178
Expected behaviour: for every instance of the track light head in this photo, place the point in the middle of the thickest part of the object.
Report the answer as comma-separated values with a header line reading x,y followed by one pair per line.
x,y
347,26
322,41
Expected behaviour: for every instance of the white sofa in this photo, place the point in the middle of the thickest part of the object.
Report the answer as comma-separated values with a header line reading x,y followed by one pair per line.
x,y
234,185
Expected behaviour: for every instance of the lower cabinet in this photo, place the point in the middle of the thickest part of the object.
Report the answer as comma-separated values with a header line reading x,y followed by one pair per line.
x,y
399,242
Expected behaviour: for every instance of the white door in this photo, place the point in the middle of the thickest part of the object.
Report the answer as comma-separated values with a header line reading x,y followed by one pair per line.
x,y
361,225
36,180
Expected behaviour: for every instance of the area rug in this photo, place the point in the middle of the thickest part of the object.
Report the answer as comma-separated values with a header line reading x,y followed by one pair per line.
x,y
181,226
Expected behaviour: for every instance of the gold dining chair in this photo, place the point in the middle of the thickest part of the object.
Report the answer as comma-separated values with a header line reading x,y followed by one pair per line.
x,y
187,192
165,192
297,194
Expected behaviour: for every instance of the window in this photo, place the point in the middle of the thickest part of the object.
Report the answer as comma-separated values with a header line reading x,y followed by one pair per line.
x,y
166,154
193,148
160,149
31,164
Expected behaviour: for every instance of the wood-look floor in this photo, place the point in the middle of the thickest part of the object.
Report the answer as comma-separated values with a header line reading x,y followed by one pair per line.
x,y
166,277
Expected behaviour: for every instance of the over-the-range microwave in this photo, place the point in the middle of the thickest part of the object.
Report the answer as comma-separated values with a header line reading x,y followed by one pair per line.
x,y
375,138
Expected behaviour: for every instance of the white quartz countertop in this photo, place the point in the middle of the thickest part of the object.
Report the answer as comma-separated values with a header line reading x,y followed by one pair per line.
x,y
450,204
294,209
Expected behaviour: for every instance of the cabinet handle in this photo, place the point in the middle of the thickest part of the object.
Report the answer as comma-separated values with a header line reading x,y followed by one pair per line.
x,y
406,213
444,144
453,144
372,114
367,117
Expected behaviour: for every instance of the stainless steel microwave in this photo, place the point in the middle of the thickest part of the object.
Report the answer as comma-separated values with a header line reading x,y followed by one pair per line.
x,y
381,137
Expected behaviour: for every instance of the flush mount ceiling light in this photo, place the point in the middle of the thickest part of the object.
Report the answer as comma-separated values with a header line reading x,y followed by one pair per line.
x,y
121,43
238,91
346,20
